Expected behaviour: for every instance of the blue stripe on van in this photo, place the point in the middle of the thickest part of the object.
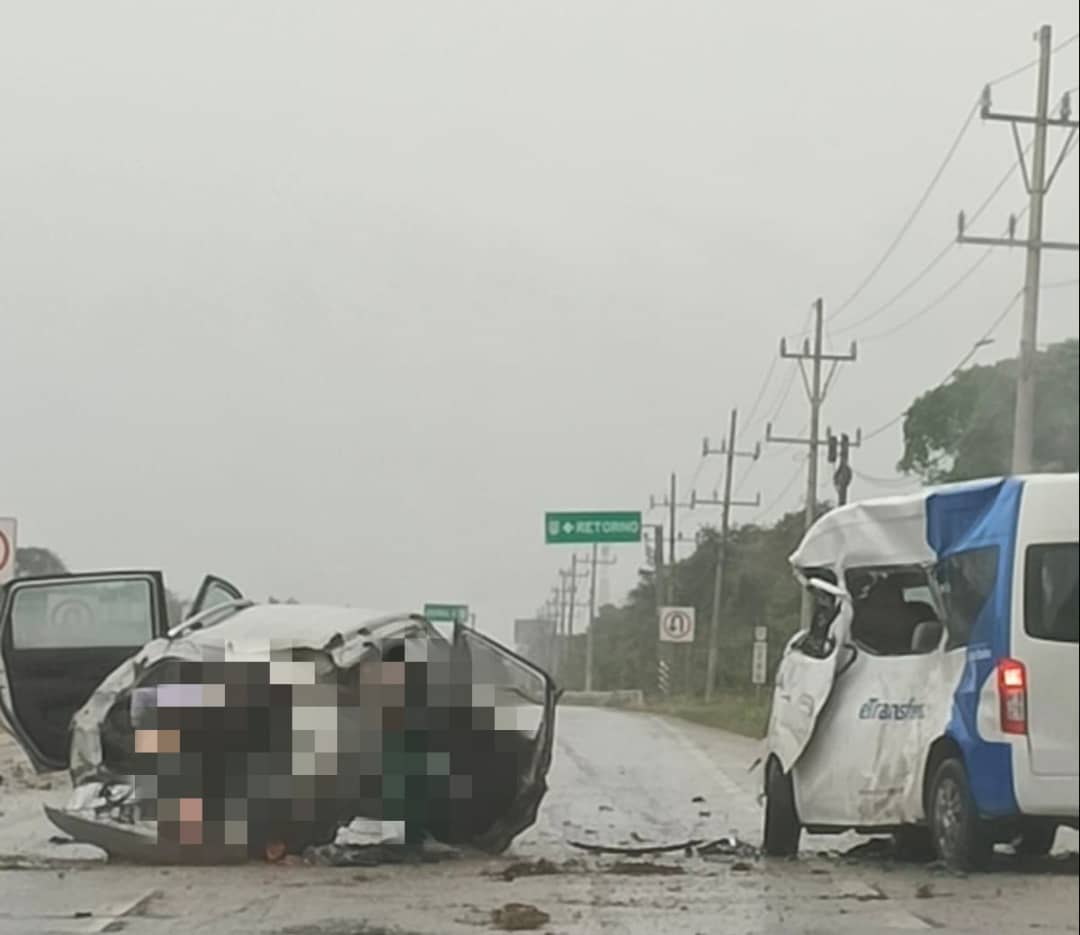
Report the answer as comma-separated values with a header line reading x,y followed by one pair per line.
x,y
958,520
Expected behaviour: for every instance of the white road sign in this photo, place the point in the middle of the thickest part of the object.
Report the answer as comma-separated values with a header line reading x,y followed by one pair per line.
x,y
677,624
759,663
7,549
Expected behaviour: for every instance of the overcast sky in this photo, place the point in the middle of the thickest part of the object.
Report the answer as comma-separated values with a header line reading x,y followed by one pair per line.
x,y
337,298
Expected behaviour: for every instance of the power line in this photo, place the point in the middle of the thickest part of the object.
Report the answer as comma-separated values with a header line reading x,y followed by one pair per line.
x,y
760,395
1024,68
934,303
765,510
959,366
906,226
944,252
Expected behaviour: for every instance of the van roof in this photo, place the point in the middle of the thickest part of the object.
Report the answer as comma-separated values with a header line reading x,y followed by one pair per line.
x,y
893,530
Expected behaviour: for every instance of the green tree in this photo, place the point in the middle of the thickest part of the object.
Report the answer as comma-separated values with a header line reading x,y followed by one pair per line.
x,y
963,429
34,561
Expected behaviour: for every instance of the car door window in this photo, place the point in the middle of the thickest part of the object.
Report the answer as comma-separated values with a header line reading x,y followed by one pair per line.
x,y
213,592
82,615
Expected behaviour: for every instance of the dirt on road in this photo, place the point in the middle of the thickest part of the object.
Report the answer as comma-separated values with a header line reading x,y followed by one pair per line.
x,y
626,781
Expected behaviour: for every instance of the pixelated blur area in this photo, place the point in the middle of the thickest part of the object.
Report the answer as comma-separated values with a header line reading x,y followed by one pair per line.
x,y
432,738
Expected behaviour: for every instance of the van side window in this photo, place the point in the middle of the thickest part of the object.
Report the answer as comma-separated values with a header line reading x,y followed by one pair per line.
x,y
967,581
1051,575
894,612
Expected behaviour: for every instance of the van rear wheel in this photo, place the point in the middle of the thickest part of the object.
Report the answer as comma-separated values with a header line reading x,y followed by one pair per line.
x,y
960,837
782,826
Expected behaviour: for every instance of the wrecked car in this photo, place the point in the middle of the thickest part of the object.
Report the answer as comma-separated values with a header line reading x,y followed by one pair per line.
x,y
934,694
252,730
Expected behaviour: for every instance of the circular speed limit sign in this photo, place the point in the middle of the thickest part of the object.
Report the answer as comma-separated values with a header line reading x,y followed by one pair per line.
x,y
677,624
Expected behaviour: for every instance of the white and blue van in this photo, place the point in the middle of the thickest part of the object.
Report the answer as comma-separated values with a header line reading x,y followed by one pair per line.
x,y
934,694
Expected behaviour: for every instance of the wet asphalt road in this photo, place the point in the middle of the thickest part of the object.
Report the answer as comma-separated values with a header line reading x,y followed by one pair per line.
x,y
617,777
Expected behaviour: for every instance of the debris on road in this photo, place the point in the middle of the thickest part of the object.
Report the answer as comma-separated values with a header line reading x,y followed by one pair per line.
x,y
928,891
875,848
645,869
372,855
519,917
537,868
729,847
641,851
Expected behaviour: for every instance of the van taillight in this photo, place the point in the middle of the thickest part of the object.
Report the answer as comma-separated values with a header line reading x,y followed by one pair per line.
x,y
1012,691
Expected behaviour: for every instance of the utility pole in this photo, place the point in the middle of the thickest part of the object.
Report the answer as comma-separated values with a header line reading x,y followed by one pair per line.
x,y
570,576
728,449
594,560
560,624
669,500
815,393
839,453
1037,184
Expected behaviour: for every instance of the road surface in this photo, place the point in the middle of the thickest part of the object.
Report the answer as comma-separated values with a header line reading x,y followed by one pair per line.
x,y
617,777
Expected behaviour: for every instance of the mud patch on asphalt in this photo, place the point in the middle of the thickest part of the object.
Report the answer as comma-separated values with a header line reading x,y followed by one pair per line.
x,y
537,868
519,917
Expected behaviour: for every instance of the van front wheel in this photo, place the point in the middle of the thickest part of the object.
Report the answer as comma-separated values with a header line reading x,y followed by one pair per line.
x,y
782,827
960,838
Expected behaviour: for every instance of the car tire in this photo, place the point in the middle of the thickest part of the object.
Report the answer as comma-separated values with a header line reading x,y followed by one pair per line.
x,y
912,843
960,837
782,826
1036,838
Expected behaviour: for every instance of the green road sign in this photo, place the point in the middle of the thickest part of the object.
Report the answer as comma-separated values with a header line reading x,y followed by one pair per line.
x,y
446,613
576,528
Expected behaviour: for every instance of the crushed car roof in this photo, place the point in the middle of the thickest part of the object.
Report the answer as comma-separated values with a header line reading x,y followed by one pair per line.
x,y
302,625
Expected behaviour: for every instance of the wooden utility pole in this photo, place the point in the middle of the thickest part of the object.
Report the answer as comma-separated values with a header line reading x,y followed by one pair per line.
x,y
1038,184
728,449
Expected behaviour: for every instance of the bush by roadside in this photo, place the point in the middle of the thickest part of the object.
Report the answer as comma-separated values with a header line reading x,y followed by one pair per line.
x,y
744,714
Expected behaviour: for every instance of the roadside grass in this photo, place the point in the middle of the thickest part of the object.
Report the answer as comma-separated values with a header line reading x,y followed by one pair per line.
x,y
744,714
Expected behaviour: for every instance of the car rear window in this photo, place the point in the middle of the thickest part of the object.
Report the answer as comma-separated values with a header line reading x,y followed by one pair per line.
x,y
83,615
1050,591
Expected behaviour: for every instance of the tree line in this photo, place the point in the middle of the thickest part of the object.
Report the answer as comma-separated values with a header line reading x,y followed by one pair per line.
x,y
958,431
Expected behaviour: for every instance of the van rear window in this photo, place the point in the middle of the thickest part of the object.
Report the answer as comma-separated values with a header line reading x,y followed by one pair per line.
x,y
1051,575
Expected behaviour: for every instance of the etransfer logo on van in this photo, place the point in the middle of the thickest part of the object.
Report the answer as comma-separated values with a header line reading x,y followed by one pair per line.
x,y
877,710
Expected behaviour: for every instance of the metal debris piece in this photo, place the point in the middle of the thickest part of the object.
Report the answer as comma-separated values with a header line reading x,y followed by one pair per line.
x,y
645,869
635,851
729,847
372,855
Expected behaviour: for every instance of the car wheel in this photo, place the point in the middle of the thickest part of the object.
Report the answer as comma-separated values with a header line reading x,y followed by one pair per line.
x,y
960,838
1036,838
913,843
782,827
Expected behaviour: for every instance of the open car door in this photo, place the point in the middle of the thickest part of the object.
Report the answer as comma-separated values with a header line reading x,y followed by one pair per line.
x,y
809,667
513,703
213,592
59,637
